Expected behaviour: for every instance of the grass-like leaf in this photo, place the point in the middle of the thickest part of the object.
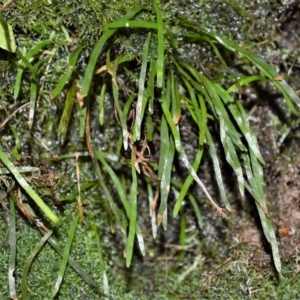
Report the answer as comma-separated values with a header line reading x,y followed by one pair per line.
x,y
165,182
66,77
233,160
26,63
117,183
164,130
167,151
150,85
65,258
101,104
12,250
241,119
160,46
184,158
89,71
33,95
141,97
217,169
7,38
184,188
133,214
140,239
122,117
23,183
29,261
76,267
132,24
151,212
175,99
66,115
255,177
196,210
200,37
16,149
289,95
149,127
244,80
102,261
198,113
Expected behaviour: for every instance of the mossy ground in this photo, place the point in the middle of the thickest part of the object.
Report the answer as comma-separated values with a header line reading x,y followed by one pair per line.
x,y
208,266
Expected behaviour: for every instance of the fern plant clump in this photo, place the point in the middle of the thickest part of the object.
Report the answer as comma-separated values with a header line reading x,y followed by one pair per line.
x,y
75,90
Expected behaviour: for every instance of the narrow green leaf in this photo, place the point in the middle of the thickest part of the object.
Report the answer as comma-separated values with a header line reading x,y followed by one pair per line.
x,y
165,182
164,140
160,46
182,234
288,93
244,80
165,219
64,262
117,183
35,197
34,86
89,71
23,65
101,104
196,210
36,49
20,170
140,240
241,119
141,97
74,195
200,112
227,125
17,86
164,131
7,38
132,24
150,85
196,109
256,189
183,156
151,212
12,250
201,37
76,267
29,261
149,127
27,64
67,112
66,77
217,169
184,188
172,38
133,215
175,99
102,261
116,212
203,123
234,162
82,121
122,117
33,97
211,96
16,149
